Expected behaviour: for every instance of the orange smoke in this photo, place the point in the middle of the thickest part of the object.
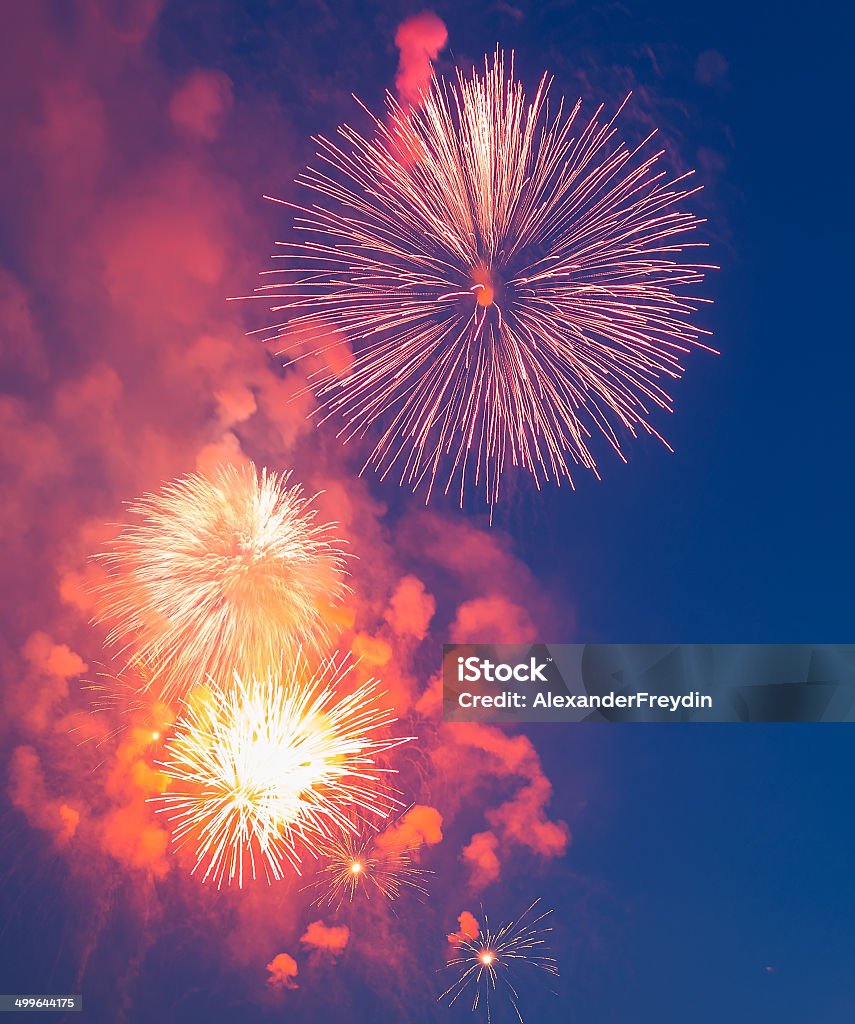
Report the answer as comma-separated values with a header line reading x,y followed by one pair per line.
x,y
410,609
131,837
131,833
420,826
482,859
522,819
419,39
28,792
496,617
371,649
468,928
43,685
51,658
282,970
329,939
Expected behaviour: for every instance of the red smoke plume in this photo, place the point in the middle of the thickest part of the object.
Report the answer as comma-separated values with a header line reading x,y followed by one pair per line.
x,y
283,970
468,928
473,748
410,609
481,857
420,826
28,792
419,39
329,939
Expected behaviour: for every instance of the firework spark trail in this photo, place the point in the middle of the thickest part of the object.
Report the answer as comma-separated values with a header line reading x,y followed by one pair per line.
x,y
357,865
507,278
264,770
489,962
219,574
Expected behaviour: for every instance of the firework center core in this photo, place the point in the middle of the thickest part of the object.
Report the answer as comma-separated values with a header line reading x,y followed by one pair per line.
x,y
356,867
485,284
486,957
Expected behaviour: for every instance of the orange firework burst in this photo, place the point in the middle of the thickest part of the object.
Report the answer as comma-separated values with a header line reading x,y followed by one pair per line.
x,y
266,768
219,574
490,961
358,863
507,278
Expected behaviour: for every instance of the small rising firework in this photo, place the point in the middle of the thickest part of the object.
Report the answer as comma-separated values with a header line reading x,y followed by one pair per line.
x,y
508,278
359,864
265,769
489,962
218,574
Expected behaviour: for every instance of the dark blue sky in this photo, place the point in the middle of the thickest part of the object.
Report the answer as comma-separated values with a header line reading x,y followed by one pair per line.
x,y
710,877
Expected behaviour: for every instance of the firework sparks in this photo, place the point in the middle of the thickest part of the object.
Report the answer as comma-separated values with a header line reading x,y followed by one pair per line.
x,y
358,865
265,769
219,574
126,701
506,275
490,961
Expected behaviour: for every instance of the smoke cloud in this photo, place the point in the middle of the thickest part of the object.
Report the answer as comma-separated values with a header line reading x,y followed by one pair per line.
x,y
328,939
419,39
282,970
468,928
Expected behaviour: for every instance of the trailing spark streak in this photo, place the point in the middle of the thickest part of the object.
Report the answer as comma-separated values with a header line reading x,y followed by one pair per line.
x,y
264,770
507,277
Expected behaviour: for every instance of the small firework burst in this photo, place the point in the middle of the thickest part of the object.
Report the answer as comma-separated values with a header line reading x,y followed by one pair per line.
x,y
507,275
359,863
490,963
126,700
263,770
219,574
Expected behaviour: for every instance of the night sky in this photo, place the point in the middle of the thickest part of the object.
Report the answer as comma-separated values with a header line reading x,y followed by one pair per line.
x,y
708,876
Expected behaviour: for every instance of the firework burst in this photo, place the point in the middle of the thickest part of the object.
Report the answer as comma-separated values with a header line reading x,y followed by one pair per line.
x,y
219,574
125,700
359,863
265,769
506,275
490,962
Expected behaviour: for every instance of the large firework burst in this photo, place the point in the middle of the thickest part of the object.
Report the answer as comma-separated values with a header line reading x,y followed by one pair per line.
x,y
219,574
265,769
359,863
506,275
490,962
